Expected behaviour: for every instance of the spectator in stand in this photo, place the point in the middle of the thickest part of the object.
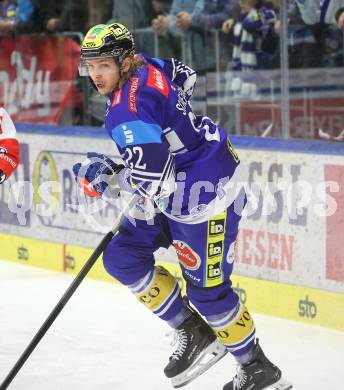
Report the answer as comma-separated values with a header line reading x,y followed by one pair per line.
x,y
316,38
8,9
340,17
168,45
136,14
65,15
320,11
161,7
276,6
133,14
215,12
20,16
213,15
180,18
250,30
271,36
181,22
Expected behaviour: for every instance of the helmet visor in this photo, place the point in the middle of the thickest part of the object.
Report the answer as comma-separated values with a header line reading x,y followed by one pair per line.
x,y
85,64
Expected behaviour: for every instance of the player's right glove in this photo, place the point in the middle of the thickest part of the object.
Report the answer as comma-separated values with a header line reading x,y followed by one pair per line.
x,y
97,176
3,177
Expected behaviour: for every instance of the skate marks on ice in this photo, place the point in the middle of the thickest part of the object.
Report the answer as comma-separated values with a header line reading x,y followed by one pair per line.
x,y
211,355
104,339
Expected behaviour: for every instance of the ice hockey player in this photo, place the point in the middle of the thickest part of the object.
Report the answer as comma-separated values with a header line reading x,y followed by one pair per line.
x,y
9,146
188,168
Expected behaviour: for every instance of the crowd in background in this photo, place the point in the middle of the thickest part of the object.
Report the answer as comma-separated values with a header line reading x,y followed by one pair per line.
x,y
241,36
248,29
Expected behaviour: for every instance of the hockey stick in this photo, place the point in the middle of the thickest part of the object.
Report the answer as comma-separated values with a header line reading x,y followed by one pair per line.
x,y
65,298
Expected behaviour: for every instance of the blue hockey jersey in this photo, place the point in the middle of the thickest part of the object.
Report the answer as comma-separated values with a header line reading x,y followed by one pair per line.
x,y
184,162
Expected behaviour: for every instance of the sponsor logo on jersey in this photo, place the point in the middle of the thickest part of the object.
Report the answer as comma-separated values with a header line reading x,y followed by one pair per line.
x,y
128,134
215,249
3,150
8,159
214,271
189,258
216,226
192,277
157,80
87,188
136,133
117,98
132,94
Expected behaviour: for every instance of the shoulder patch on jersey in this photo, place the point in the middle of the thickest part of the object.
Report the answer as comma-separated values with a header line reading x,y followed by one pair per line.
x,y
157,80
132,94
117,98
136,133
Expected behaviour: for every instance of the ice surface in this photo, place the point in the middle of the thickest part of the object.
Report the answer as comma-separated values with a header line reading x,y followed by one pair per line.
x,y
104,339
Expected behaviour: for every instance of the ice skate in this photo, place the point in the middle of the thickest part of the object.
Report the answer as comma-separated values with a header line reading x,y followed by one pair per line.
x,y
197,350
259,374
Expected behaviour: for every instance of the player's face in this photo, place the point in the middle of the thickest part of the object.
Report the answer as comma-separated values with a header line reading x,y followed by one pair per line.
x,y
104,72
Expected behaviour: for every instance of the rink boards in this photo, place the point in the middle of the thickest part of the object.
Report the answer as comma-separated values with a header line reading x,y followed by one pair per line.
x,y
290,250
303,304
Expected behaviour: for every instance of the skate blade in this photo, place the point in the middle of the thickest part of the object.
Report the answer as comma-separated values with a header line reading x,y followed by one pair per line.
x,y
212,354
280,385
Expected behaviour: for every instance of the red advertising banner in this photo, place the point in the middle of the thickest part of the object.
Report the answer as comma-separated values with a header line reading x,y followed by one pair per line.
x,y
37,77
335,226
307,117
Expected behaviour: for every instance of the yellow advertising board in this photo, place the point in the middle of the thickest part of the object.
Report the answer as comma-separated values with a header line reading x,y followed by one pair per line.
x,y
308,305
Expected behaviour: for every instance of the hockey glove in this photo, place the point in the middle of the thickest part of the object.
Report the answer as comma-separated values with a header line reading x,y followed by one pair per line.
x,y
97,176
3,177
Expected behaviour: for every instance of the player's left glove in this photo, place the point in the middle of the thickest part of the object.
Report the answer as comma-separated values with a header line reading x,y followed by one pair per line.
x,y
3,177
98,175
